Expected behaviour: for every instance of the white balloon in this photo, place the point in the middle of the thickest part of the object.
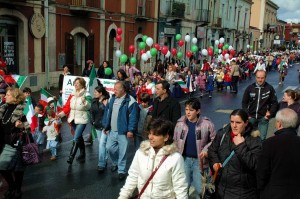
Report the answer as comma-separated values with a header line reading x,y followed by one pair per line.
x,y
194,40
144,57
230,48
248,46
220,50
149,41
118,53
187,38
217,42
226,56
148,54
204,52
222,40
168,54
255,52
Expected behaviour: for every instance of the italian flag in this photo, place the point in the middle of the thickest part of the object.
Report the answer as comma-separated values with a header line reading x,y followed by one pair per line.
x,y
92,76
44,97
15,79
58,105
30,115
183,86
150,88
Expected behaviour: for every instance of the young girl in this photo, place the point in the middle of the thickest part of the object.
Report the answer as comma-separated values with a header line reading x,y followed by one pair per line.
x,y
210,83
52,131
201,80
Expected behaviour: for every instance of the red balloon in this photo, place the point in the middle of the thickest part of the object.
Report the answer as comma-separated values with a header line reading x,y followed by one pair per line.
x,y
297,41
119,31
278,61
189,54
164,50
232,52
180,42
131,48
157,46
210,52
223,52
230,56
142,52
174,51
220,46
118,38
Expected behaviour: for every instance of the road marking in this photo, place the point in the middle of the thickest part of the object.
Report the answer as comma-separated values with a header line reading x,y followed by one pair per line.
x,y
224,110
290,87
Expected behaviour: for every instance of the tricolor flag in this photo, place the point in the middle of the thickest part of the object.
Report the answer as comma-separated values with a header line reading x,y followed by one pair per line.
x,y
94,133
15,79
92,76
44,96
183,86
30,115
150,88
58,105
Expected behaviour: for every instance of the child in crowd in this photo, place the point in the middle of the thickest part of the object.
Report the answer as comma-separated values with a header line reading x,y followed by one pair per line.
x,y
27,94
144,118
52,131
219,79
201,82
210,83
227,80
38,135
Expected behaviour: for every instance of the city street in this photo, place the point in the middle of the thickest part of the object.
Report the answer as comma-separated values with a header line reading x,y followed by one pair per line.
x,y
59,180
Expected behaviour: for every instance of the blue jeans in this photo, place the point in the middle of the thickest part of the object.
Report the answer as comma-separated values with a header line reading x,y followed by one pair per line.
x,y
262,124
117,146
78,131
193,173
102,138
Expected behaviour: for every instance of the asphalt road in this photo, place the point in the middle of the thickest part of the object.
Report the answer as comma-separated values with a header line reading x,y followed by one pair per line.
x,y
59,180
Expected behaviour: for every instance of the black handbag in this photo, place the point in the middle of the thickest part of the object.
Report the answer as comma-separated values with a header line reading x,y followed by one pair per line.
x,y
7,155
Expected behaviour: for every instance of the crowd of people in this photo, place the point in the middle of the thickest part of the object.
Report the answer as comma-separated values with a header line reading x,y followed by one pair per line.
x,y
143,108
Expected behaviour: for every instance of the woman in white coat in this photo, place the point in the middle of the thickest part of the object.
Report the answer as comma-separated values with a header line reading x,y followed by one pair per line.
x,y
169,182
77,110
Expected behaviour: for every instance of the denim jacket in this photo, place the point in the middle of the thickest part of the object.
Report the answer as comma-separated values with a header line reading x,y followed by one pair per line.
x,y
127,117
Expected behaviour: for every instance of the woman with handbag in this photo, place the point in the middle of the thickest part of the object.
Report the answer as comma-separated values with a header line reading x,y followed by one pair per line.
x,y
12,124
77,110
157,170
235,149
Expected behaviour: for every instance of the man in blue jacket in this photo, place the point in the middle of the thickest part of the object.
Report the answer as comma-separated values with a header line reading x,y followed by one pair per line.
x,y
122,119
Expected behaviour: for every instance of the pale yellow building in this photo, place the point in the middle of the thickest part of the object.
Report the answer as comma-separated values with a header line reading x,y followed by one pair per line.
x,y
264,17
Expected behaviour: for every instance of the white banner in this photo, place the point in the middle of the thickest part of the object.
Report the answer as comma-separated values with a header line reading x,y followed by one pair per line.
x,y
68,86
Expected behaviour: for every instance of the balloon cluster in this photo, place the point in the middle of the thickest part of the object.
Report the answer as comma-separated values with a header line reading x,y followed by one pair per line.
x,y
145,55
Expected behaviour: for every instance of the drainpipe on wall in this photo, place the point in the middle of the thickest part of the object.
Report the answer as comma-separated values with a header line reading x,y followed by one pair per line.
x,y
46,13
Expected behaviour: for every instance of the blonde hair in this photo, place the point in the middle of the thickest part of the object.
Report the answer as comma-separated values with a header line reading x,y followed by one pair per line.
x,y
18,94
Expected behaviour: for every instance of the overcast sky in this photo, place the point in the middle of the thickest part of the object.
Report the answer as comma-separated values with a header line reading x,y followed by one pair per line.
x,y
289,10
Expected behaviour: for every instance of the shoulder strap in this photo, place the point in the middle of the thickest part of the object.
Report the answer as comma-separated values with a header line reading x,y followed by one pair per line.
x,y
150,178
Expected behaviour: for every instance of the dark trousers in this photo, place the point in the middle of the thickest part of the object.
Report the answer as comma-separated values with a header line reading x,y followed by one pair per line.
x,y
234,82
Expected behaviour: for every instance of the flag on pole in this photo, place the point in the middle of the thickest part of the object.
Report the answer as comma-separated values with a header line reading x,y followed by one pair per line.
x,y
92,76
15,79
58,105
183,86
44,96
30,115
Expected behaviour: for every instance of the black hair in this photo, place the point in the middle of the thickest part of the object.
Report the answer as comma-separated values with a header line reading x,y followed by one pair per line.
x,y
244,116
40,107
145,97
123,73
162,127
194,103
165,84
27,90
102,89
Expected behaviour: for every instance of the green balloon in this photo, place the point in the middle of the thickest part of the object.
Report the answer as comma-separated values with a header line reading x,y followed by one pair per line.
x,y
153,51
226,46
223,48
251,46
178,37
123,58
133,60
179,55
216,51
194,48
144,38
142,45
107,71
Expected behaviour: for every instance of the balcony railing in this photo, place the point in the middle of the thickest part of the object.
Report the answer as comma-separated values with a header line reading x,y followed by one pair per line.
x,y
176,9
85,3
203,15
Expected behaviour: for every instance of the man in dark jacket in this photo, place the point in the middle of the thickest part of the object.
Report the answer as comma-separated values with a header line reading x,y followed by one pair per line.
x,y
164,105
260,102
278,175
